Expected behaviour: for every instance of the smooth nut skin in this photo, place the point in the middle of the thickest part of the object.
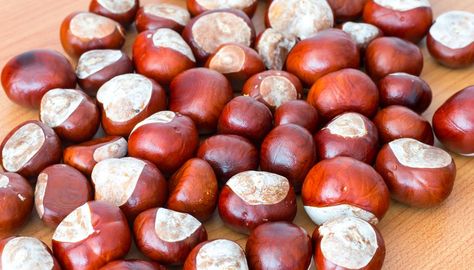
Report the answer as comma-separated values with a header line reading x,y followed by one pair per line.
x,y
405,90
50,152
386,55
228,155
132,265
411,25
288,150
16,203
346,90
28,76
246,117
66,189
124,18
145,21
279,245
395,122
193,189
298,112
327,51
451,58
201,94
195,8
453,122
344,10
191,262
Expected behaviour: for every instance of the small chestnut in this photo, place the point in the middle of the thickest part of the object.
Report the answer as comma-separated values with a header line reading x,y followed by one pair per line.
x,y
161,15
298,112
274,47
132,265
361,33
216,254
122,11
197,7
26,253
347,10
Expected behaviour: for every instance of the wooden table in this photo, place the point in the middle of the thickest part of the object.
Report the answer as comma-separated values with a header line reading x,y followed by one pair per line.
x,y
437,238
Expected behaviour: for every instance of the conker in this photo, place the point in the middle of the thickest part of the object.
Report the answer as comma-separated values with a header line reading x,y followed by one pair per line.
x,y
362,33
132,265
197,7
26,253
123,11
347,10
274,47
161,15
298,112
216,254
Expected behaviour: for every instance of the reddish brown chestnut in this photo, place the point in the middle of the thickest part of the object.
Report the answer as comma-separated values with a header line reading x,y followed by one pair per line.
x,y
123,11
451,39
128,99
298,112
28,76
344,186
132,265
347,10
273,46
216,254
453,122
91,236
193,189
60,189
416,174
325,52
161,15
361,33
197,7
96,67
166,138
29,148
279,245
396,122
85,31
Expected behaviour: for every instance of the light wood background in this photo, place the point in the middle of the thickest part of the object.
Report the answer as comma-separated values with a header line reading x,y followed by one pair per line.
x,y
437,238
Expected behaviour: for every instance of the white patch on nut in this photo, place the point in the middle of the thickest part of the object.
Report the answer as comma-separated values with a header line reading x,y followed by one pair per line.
x,y
115,149
219,4
170,39
162,117
4,181
94,61
22,146
168,11
348,242
403,5
348,125
58,105
221,254
454,29
276,90
274,48
212,30
86,25
228,59
125,96
117,6
414,154
361,33
76,226
259,188
321,215
26,253
300,18
115,179
172,226
40,190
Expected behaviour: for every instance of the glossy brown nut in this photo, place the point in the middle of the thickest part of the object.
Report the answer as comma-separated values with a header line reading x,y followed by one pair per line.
x,y
228,155
201,94
209,30
396,122
132,184
405,90
161,55
122,12
127,100
288,150
84,156
323,53
387,55
28,76
161,15
279,245
216,254
274,47
348,243
453,122
273,88
346,90
166,138
246,117
417,174
298,112
60,189
96,67
64,110
193,189
344,186
350,135
84,31
347,10
29,148
37,254
16,203
197,7
361,33
91,236
450,40
167,236
132,265
252,198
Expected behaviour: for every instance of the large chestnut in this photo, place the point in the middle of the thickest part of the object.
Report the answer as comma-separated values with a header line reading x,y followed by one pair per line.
x,y
453,122
416,174
29,148
279,245
361,33
197,7
165,138
91,236
128,99
298,112
123,11
132,265
28,76
325,52
26,253
161,15
344,186
274,47
347,10
216,254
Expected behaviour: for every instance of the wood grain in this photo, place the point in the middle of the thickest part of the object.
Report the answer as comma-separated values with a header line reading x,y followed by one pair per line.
x,y
437,238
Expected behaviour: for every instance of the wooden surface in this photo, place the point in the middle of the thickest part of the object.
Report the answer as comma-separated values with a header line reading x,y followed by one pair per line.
x,y
437,238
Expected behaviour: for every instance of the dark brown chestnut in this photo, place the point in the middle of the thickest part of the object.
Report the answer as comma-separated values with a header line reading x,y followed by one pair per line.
x,y
347,10
25,253
197,7
298,112
274,47
123,11
132,265
161,15
216,254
